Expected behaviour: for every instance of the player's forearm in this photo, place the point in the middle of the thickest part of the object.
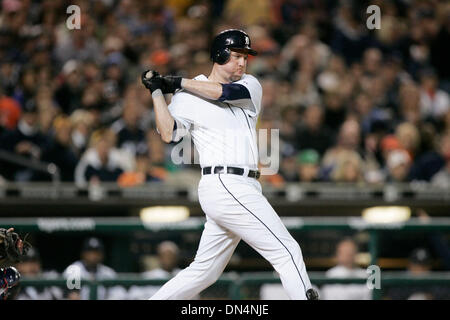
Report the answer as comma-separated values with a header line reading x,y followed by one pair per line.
x,y
168,98
206,89
164,120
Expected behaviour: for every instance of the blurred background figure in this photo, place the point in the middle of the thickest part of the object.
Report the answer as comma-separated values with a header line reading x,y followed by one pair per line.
x,y
420,264
91,267
102,162
343,160
31,267
398,166
82,127
312,133
348,168
168,255
10,112
308,166
25,140
346,251
289,166
60,150
434,102
441,178
164,267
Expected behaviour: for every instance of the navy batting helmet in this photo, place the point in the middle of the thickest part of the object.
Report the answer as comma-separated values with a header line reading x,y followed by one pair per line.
x,y
231,39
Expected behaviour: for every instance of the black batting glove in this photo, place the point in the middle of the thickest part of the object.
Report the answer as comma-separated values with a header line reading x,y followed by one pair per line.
x,y
152,80
172,83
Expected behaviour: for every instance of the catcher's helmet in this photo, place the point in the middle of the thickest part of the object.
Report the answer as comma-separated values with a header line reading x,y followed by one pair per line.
x,y
231,39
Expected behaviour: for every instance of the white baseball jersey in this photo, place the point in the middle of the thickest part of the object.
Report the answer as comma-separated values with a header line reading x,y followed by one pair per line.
x,y
102,272
346,291
223,134
45,293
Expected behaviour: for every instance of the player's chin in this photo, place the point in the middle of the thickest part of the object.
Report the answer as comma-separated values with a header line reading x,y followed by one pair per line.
x,y
237,76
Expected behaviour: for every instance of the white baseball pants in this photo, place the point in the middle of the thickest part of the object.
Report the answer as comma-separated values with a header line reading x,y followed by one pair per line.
x,y
236,209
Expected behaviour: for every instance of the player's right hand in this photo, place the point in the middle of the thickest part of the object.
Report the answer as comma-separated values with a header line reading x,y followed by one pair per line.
x,y
152,80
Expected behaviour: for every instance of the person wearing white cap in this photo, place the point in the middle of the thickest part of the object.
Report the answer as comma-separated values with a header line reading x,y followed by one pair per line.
x,y
398,166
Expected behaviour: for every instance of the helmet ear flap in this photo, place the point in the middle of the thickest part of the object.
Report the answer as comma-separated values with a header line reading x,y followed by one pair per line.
x,y
222,56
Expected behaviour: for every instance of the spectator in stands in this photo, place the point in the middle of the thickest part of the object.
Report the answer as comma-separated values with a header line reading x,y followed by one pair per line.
x,y
426,166
26,141
82,125
304,91
166,268
79,44
398,166
10,112
31,267
409,138
151,163
434,102
91,267
419,261
312,133
349,168
442,178
59,150
26,88
129,131
375,151
438,240
372,61
289,166
363,107
409,104
346,251
168,254
332,77
247,13
47,110
308,165
160,163
92,100
335,110
420,264
351,37
348,140
446,122
387,144
290,118
69,93
102,162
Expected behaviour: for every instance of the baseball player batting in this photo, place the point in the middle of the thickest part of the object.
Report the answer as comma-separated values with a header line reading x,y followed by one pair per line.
x,y
209,108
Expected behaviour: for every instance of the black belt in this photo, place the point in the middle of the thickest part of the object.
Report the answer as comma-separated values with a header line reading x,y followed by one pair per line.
x,y
233,170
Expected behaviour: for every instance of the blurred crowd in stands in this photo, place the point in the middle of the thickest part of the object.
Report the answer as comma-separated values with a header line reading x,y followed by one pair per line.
x,y
352,104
